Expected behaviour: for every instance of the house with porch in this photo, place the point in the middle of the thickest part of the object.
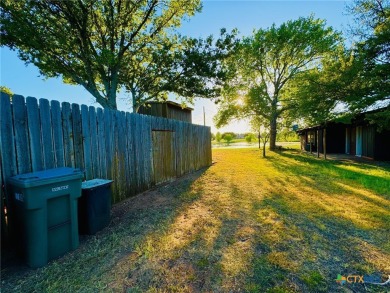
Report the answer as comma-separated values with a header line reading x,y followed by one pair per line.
x,y
357,137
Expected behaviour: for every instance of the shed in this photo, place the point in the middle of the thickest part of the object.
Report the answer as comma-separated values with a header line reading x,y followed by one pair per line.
x,y
169,109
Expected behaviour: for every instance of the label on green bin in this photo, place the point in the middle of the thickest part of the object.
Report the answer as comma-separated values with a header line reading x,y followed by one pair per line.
x,y
19,197
64,187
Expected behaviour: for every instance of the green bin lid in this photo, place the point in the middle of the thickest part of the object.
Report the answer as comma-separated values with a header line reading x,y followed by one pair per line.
x,y
90,184
46,177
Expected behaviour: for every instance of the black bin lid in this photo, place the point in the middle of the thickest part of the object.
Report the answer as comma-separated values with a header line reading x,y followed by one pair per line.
x,y
95,183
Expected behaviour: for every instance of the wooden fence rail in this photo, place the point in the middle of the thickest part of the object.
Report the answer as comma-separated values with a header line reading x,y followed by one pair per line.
x,y
38,135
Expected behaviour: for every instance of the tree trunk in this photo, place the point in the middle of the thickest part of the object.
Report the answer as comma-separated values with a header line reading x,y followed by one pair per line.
x,y
273,132
111,91
108,102
112,102
259,140
134,100
264,143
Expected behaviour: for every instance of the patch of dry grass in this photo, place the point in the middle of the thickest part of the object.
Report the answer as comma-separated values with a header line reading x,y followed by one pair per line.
x,y
286,223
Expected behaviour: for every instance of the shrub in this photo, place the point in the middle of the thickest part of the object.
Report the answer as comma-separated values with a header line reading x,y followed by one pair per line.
x,y
250,137
228,138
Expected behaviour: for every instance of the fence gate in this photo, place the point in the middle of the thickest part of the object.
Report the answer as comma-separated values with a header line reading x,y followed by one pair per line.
x,y
164,155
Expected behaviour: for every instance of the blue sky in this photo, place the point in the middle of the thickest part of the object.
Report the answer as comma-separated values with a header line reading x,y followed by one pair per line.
x,y
243,15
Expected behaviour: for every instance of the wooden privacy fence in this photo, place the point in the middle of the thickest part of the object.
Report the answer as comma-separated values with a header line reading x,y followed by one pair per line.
x,y
136,151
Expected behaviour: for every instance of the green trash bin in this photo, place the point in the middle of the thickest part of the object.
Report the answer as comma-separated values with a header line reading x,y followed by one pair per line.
x,y
43,213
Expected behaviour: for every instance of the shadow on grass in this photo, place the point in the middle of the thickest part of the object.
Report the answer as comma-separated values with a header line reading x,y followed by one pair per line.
x,y
314,167
321,246
335,236
330,181
206,253
220,249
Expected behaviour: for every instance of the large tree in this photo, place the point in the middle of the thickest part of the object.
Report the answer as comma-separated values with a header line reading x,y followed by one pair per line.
x,y
266,63
355,79
90,42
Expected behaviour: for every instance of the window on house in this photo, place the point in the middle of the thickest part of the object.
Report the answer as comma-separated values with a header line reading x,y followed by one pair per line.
x,y
310,137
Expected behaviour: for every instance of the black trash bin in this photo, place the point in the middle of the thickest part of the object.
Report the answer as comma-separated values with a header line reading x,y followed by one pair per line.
x,y
94,206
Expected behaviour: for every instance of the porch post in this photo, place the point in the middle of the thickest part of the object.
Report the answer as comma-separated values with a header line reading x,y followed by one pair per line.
x,y
324,142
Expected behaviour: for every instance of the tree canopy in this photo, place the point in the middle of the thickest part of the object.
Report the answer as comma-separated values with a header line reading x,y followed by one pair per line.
x,y
355,79
265,65
93,43
185,66
372,19
6,90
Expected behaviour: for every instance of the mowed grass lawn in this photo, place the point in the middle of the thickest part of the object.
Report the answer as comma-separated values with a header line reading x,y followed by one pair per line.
x,y
286,223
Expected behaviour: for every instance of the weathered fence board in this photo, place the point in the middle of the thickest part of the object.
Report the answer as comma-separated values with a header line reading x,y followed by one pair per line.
x,y
3,220
148,150
144,149
115,163
58,142
108,142
77,137
7,145
94,142
47,140
131,153
101,144
121,154
34,132
68,134
86,142
137,140
21,136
